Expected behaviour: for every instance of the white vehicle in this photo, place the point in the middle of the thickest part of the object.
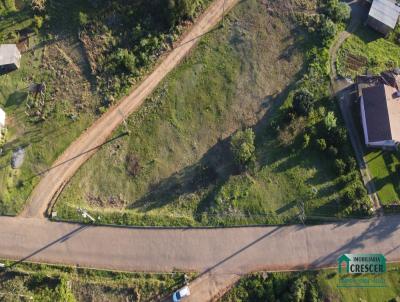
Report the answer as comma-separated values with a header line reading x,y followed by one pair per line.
x,y
180,294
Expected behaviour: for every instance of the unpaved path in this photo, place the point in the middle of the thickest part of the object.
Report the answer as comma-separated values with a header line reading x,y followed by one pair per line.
x,y
220,255
88,143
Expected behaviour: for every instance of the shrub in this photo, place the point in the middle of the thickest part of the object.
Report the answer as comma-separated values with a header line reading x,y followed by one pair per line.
x,y
242,147
340,166
351,164
306,140
333,151
303,101
38,21
338,11
38,5
132,164
330,121
321,144
328,30
83,19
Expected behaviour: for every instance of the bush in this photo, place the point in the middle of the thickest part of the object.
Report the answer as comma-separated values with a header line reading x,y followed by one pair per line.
x,y
303,101
83,19
328,30
333,151
242,147
306,140
38,21
321,144
132,164
330,121
338,11
340,166
351,164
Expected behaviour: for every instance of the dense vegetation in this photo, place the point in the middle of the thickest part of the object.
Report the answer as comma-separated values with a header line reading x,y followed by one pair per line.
x,y
314,286
39,282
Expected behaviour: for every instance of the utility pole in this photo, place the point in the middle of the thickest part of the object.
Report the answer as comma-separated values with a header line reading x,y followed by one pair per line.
x,y
124,121
85,214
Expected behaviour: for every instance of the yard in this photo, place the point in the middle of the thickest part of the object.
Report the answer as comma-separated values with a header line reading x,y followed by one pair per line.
x,y
176,167
384,167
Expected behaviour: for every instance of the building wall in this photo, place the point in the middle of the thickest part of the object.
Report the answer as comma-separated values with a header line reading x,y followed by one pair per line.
x,y
378,26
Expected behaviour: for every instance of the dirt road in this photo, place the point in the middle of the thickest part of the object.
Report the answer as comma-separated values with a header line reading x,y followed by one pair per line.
x,y
87,144
220,255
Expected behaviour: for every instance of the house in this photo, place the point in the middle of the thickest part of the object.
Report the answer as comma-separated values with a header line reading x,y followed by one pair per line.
x,y
380,115
10,58
383,15
2,119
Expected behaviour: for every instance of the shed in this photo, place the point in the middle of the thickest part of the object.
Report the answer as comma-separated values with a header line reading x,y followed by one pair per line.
x,y
2,118
383,15
10,58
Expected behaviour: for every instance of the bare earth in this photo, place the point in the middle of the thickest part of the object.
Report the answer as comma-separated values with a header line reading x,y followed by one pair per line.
x,y
222,255
87,144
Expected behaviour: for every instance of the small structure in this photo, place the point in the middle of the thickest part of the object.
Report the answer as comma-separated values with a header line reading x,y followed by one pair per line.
x,y
10,58
383,15
380,115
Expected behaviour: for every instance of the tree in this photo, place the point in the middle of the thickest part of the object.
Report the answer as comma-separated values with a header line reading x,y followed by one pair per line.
x,y
181,9
328,30
242,146
338,11
303,101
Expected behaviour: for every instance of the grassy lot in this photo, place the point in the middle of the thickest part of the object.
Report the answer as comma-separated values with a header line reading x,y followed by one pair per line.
x,y
312,286
68,284
366,50
176,168
384,166
65,53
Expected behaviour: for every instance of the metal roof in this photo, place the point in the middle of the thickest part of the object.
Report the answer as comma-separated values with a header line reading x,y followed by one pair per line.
x,y
385,11
9,54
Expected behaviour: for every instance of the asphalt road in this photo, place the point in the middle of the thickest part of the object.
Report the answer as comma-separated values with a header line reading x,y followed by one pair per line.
x,y
88,143
221,255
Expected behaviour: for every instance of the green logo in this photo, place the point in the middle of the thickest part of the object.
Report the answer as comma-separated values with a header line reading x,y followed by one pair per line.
x,y
362,263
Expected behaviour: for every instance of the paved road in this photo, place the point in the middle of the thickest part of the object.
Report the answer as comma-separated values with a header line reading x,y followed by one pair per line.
x,y
222,255
87,144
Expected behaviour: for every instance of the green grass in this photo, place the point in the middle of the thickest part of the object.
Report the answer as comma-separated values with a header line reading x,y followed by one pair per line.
x,y
74,96
55,283
234,78
313,286
378,53
384,167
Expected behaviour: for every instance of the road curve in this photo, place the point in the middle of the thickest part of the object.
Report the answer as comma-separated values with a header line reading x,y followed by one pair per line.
x,y
87,144
221,255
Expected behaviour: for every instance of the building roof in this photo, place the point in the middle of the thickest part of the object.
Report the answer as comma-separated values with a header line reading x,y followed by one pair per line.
x,y
2,118
382,113
385,11
9,54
